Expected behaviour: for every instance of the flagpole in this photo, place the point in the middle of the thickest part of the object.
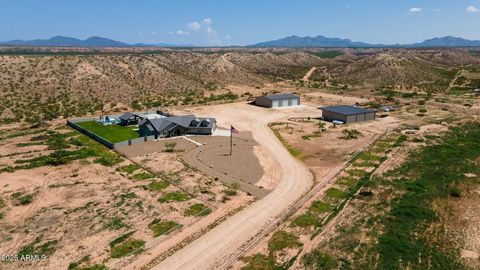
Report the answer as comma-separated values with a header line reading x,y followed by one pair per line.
x,y
231,140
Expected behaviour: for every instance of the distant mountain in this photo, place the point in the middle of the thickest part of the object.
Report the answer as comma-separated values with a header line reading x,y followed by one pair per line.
x,y
60,41
318,41
448,41
162,45
325,42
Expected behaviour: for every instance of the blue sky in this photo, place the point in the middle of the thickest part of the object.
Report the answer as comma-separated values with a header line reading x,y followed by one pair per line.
x,y
239,22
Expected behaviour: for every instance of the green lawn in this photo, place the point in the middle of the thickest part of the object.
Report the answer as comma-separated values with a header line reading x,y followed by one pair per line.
x,y
112,133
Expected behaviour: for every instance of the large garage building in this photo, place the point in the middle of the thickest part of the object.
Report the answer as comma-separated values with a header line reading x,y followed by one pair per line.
x,y
275,101
347,114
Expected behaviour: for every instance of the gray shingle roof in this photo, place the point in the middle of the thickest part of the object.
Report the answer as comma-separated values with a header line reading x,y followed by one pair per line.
x,y
282,96
126,116
345,109
164,124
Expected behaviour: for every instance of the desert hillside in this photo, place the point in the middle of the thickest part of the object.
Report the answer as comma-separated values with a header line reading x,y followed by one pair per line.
x,y
42,85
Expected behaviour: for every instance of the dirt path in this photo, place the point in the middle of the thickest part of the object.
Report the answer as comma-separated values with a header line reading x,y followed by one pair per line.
x,y
452,83
209,251
309,73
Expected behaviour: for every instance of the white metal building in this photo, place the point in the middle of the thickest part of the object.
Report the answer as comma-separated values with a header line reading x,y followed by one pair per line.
x,y
275,101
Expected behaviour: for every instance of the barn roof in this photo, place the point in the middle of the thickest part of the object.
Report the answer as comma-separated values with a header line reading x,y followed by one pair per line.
x,y
281,96
346,110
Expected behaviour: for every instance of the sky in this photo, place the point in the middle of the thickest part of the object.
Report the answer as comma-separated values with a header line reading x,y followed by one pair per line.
x,y
239,22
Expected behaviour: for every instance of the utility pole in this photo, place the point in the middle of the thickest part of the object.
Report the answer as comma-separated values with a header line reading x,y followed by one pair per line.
x,y
231,140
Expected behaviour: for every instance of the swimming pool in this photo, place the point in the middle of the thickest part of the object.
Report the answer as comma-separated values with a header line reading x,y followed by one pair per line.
x,y
107,120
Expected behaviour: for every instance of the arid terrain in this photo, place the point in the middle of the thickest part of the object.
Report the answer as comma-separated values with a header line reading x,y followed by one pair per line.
x,y
399,192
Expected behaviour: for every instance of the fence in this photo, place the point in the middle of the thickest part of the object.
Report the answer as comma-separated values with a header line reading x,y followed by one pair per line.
x,y
107,143
97,138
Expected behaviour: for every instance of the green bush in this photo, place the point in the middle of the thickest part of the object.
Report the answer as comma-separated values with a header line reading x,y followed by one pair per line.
x,y
158,185
281,240
306,220
115,224
129,168
318,260
176,196
163,227
336,193
143,176
320,207
198,209
128,247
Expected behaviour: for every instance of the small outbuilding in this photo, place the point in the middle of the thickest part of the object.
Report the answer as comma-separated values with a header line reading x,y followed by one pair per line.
x,y
129,118
275,101
347,114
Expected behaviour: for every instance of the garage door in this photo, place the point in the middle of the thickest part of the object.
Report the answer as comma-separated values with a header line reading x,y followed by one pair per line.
x,y
274,103
294,102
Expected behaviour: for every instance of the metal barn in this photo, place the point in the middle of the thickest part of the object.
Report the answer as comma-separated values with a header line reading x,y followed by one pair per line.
x,y
275,101
347,114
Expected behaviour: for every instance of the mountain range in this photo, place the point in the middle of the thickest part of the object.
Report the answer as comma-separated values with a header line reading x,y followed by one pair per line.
x,y
61,41
321,41
288,42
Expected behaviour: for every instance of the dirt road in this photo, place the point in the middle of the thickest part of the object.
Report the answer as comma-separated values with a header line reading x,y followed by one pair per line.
x,y
309,73
208,251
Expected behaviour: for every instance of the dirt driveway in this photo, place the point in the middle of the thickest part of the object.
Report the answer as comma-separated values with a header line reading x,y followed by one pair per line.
x,y
294,180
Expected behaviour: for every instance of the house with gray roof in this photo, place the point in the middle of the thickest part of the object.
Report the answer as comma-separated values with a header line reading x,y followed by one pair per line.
x,y
347,114
280,100
177,126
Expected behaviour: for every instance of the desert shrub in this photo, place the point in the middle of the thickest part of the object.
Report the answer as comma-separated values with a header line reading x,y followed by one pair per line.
x,y
349,134
170,146
159,227
336,193
176,196
306,220
320,207
198,209
115,224
121,238
318,260
281,240
128,247
35,249
129,168
143,176
259,262
22,199
157,185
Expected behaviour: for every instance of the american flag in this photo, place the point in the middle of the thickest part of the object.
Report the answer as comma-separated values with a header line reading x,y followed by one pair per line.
x,y
234,130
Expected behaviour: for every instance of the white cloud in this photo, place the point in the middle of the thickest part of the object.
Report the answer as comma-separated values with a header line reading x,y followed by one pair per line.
x,y
472,9
153,33
347,6
207,21
140,33
182,33
194,26
415,10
